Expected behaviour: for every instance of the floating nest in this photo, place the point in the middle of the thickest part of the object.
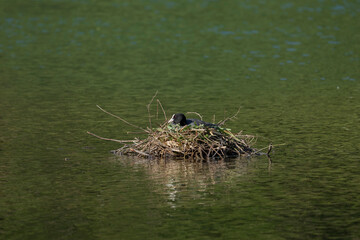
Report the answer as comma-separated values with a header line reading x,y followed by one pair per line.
x,y
188,142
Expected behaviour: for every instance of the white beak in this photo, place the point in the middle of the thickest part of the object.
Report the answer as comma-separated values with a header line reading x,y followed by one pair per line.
x,y
171,119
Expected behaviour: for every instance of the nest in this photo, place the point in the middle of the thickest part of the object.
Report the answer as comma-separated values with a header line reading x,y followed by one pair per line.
x,y
188,142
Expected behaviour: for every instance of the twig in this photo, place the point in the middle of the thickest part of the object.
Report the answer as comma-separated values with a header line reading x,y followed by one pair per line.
x,y
229,118
148,108
157,111
134,132
110,139
158,101
196,114
268,147
139,152
121,119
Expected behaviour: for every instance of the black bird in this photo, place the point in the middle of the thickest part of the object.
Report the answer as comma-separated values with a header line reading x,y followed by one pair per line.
x,y
179,118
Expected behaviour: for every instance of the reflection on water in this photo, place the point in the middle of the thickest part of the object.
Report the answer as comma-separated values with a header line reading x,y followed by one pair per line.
x,y
176,179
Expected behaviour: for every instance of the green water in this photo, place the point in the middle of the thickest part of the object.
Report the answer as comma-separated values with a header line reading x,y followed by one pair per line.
x,y
292,67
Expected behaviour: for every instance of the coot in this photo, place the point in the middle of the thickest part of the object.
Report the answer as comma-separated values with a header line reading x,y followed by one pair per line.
x,y
179,118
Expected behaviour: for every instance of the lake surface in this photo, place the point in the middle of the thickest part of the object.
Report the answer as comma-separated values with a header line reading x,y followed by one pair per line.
x,y
291,66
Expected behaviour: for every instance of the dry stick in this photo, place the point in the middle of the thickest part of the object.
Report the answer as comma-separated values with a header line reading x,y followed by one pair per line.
x,y
223,154
121,119
145,146
134,133
250,139
148,107
229,118
139,152
158,101
120,150
157,111
196,114
232,135
210,146
219,151
215,152
110,139
268,147
200,151
239,154
238,147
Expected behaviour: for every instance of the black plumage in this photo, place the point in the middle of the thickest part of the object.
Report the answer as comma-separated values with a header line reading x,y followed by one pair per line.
x,y
179,118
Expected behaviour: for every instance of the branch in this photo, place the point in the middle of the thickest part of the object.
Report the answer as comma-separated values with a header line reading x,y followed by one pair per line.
x,y
158,101
229,118
121,119
148,107
110,139
196,114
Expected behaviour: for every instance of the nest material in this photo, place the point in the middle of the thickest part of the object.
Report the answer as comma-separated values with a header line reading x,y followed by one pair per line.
x,y
190,142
